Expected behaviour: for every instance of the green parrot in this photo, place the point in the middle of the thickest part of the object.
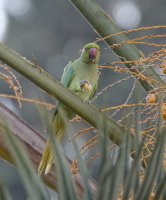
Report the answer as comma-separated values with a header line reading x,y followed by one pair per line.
x,y
81,77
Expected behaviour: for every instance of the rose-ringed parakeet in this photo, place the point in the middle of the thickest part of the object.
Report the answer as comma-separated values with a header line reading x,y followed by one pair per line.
x,y
81,77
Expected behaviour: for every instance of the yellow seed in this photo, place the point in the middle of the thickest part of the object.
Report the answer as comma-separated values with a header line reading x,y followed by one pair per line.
x,y
120,70
164,69
151,98
74,167
163,111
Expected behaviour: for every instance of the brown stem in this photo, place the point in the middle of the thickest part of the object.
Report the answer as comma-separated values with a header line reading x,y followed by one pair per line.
x,y
34,144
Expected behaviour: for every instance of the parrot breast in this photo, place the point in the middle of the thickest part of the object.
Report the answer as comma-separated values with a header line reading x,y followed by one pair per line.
x,y
85,79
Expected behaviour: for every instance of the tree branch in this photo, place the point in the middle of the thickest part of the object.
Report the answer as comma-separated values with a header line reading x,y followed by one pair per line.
x,y
105,26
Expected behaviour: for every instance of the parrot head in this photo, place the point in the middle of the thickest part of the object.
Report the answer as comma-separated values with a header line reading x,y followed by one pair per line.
x,y
90,53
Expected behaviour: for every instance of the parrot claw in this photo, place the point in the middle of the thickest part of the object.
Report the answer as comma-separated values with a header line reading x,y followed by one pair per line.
x,y
88,102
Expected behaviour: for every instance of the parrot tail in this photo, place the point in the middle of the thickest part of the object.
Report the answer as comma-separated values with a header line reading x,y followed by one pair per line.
x,y
47,157
46,161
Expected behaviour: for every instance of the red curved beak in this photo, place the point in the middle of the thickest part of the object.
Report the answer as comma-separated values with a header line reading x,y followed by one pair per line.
x,y
92,54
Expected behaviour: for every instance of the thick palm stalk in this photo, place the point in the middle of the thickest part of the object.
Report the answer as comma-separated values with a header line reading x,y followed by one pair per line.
x,y
105,26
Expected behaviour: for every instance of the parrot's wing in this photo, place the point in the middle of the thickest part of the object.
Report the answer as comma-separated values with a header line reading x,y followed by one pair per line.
x,y
68,74
67,78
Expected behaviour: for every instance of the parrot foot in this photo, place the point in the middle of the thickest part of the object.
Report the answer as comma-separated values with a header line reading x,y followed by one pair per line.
x,y
88,102
84,101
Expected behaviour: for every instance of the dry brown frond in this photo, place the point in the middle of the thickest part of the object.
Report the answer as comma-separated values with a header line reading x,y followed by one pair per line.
x,y
9,77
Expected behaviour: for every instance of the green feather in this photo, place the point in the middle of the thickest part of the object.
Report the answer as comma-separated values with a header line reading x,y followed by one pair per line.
x,y
68,74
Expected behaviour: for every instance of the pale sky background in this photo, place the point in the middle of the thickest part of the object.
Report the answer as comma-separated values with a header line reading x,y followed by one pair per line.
x,y
126,13
54,32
